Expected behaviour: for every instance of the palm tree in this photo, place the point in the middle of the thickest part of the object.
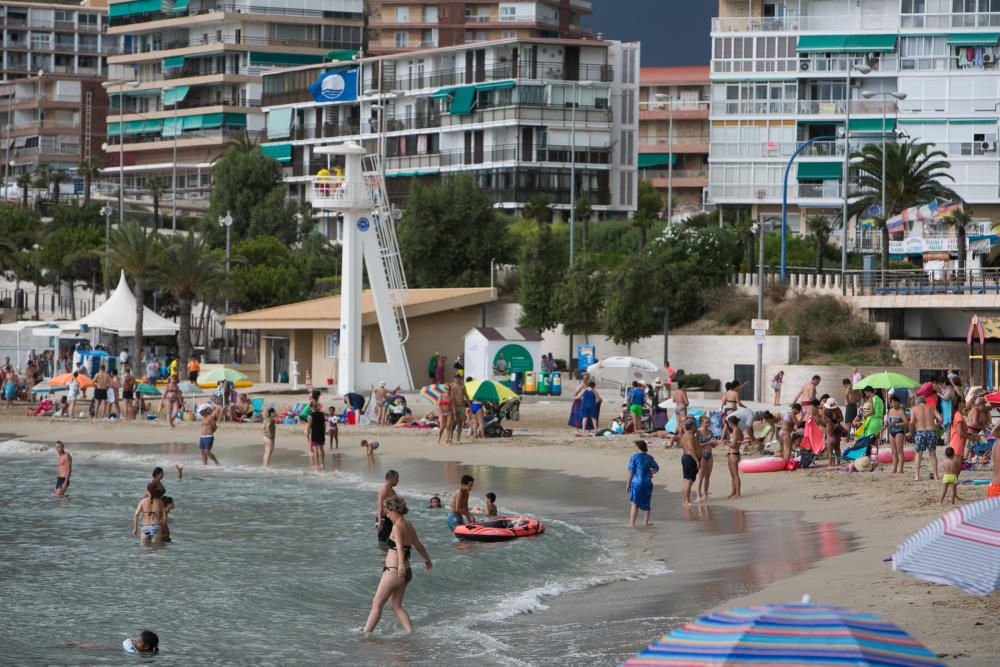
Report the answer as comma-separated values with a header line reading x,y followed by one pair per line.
x,y
56,178
744,230
821,228
913,176
156,188
24,181
537,208
42,174
583,212
89,169
242,142
188,269
136,251
960,221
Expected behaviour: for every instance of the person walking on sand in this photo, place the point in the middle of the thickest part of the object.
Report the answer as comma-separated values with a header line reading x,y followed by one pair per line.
x,y
733,455
708,441
899,426
925,423
446,413
172,399
636,399
639,485
209,422
950,469
589,402
102,382
383,524
316,435
396,572
680,399
776,382
128,392
270,433
73,393
690,460
154,517
64,469
460,514
459,399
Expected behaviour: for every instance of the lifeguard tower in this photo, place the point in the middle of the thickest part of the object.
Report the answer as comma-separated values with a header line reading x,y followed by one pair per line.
x,y
984,364
369,244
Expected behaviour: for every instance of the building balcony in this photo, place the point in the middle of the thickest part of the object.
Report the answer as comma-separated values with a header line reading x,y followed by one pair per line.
x,y
682,178
539,114
695,144
220,9
682,110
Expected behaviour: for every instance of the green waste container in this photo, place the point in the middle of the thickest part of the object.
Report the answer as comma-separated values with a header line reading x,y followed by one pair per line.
x,y
543,384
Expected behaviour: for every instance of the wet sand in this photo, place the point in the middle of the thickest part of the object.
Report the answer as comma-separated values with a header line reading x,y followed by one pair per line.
x,y
857,520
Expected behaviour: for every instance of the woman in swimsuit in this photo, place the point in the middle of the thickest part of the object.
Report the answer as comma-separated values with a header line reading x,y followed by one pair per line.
x,y
708,442
445,416
171,399
396,573
733,454
899,426
154,518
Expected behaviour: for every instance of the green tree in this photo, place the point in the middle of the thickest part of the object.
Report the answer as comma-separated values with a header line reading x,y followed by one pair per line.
x,y
583,210
19,232
72,253
248,185
24,181
156,188
578,298
269,274
914,175
136,250
187,270
629,301
960,221
450,233
648,209
743,226
540,269
89,169
821,228
56,179
538,208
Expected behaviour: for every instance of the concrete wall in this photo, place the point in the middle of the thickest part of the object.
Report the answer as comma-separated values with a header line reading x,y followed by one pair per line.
x,y
932,353
831,378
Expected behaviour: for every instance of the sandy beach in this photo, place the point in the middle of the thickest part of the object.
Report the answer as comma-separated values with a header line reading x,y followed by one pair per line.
x,y
877,510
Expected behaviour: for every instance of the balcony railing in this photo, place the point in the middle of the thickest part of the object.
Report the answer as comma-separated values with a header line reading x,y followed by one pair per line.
x,y
514,152
521,112
839,107
678,140
413,161
678,105
500,71
223,133
855,22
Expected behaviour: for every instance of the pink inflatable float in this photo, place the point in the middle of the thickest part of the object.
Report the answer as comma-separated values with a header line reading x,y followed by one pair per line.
x,y
885,455
764,464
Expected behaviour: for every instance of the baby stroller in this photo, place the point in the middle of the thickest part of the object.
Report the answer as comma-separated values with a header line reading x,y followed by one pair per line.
x,y
508,409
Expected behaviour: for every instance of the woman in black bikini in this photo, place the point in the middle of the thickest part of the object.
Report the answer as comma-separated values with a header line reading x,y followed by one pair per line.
x,y
396,573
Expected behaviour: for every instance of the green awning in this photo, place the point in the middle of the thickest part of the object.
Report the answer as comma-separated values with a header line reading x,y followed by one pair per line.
x,y
152,126
234,119
191,122
261,58
279,123
443,93
872,125
820,171
173,62
113,129
172,126
279,152
871,43
495,85
461,103
650,160
142,126
972,121
175,95
181,5
822,43
135,7
975,39
136,93
343,54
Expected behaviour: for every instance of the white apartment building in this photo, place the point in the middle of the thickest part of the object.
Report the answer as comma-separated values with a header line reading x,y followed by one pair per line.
x,y
784,72
508,112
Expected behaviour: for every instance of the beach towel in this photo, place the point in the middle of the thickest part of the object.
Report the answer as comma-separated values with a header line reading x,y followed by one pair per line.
x,y
812,436
672,424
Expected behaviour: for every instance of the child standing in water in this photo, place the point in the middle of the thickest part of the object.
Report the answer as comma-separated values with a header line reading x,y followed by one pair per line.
x,y
733,454
333,428
950,477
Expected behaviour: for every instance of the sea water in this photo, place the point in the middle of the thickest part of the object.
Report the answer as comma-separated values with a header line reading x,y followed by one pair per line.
x,y
272,567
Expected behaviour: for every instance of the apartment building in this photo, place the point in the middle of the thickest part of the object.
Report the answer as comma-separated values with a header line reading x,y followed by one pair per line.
x,y
52,105
786,72
189,80
520,116
406,25
673,134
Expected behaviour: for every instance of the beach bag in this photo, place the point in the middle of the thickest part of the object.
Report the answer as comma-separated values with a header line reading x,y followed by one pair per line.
x,y
806,458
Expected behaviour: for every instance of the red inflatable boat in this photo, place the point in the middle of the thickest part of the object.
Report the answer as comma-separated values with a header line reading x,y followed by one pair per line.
x,y
499,530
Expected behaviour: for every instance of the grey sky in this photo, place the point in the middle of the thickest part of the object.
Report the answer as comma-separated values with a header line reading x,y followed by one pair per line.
x,y
672,32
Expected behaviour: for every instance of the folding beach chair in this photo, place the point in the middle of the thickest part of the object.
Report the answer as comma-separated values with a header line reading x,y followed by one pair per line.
x,y
979,454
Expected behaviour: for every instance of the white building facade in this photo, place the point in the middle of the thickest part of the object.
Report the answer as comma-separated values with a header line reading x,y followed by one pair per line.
x,y
508,112
785,72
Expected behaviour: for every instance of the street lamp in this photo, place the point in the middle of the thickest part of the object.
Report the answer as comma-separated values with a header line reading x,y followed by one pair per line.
x,y
173,171
106,211
572,187
662,97
860,69
121,142
7,129
665,311
227,222
899,97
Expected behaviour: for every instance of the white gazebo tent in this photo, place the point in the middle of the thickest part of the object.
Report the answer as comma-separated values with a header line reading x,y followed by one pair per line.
x,y
117,315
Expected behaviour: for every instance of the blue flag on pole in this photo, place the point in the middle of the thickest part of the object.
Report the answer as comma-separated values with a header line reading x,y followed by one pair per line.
x,y
339,85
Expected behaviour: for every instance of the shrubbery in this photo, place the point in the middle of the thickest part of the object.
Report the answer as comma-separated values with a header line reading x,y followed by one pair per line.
x,y
830,325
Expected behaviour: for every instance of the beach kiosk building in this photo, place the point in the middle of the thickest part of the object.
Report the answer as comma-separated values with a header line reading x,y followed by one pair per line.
x,y
520,347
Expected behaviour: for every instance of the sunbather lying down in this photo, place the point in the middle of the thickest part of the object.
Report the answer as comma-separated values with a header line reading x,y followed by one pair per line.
x,y
430,420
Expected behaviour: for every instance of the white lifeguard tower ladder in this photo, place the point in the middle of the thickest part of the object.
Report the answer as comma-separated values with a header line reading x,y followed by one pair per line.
x,y
369,245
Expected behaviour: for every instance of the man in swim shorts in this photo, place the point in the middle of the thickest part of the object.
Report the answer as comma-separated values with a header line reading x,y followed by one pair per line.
x,y
460,513
383,524
101,383
209,422
64,468
690,460
925,422
636,399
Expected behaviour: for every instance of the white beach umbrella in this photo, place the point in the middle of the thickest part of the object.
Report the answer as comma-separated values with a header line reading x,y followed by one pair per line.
x,y
961,548
624,370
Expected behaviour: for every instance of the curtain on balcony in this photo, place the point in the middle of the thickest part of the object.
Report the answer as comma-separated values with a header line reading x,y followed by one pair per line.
x,y
279,123
181,5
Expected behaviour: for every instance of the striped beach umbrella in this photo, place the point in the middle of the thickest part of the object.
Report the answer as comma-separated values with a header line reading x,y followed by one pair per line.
x,y
433,392
961,548
488,391
786,634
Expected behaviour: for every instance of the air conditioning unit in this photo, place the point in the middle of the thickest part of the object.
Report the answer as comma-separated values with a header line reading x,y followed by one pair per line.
x,y
989,57
804,65
988,146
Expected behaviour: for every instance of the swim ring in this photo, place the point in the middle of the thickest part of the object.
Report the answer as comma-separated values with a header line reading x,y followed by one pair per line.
x,y
763,464
885,455
499,530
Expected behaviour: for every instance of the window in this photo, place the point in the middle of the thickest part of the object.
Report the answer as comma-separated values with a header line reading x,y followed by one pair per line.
x,y
508,12
430,14
923,53
402,14
87,21
331,344
402,38
508,34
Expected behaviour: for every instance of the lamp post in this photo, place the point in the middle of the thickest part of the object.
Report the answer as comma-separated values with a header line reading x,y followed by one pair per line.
x,y
173,169
106,211
899,97
661,97
227,222
665,311
784,199
121,143
572,190
861,69
7,129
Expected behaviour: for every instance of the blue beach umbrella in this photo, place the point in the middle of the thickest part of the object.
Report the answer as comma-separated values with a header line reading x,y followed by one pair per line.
x,y
46,388
786,634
